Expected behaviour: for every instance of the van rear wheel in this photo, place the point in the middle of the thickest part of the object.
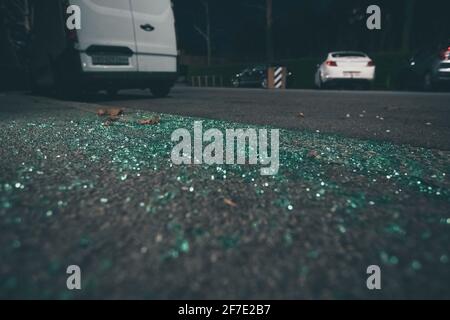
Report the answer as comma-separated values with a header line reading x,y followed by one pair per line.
x,y
66,91
161,90
65,83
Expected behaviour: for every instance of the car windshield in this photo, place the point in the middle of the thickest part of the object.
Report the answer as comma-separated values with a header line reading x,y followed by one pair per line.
x,y
348,54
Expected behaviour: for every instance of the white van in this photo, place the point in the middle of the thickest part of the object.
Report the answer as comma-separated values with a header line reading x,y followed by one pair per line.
x,y
121,44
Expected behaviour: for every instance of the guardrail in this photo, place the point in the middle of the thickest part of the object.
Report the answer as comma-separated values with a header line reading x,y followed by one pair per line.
x,y
206,81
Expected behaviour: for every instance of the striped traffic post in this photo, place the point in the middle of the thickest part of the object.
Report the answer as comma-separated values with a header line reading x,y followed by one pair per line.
x,y
277,78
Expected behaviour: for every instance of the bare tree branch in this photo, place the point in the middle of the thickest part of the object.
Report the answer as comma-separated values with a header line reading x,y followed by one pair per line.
x,y
207,33
201,32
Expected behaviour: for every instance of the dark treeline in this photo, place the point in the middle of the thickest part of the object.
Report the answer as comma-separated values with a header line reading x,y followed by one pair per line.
x,y
304,28
301,28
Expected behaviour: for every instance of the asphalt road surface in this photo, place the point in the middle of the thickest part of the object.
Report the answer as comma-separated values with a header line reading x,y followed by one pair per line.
x,y
419,119
363,181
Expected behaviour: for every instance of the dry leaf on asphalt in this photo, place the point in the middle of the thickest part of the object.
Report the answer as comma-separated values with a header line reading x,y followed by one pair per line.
x,y
313,154
151,121
112,112
230,202
110,121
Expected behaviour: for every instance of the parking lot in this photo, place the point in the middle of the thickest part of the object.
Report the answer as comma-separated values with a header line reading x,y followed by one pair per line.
x,y
416,118
363,180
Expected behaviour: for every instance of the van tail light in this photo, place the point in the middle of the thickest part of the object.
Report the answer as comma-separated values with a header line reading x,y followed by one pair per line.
x,y
331,63
71,35
371,64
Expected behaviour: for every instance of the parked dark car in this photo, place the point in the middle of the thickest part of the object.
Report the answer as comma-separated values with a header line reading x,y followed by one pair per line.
x,y
427,70
254,77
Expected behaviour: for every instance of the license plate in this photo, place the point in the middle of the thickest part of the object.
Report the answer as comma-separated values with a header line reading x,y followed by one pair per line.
x,y
110,60
351,74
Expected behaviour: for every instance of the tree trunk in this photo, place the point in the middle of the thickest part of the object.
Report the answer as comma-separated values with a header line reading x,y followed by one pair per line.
x,y
407,26
208,33
269,37
8,53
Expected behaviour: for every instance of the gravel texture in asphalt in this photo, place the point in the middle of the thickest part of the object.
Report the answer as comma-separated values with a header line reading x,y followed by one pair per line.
x,y
108,198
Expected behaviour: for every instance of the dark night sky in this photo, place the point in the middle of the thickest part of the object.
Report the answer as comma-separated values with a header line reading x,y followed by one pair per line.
x,y
308,27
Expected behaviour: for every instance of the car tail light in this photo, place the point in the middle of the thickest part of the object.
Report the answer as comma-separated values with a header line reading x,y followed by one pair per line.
x,y
371,64
445,54
331,63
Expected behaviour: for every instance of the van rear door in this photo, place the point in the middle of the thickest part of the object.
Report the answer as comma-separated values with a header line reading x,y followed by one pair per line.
x,y
106,39
155,35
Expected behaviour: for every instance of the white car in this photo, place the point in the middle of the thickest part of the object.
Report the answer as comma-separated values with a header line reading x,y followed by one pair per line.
x,y
121,44
345,67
